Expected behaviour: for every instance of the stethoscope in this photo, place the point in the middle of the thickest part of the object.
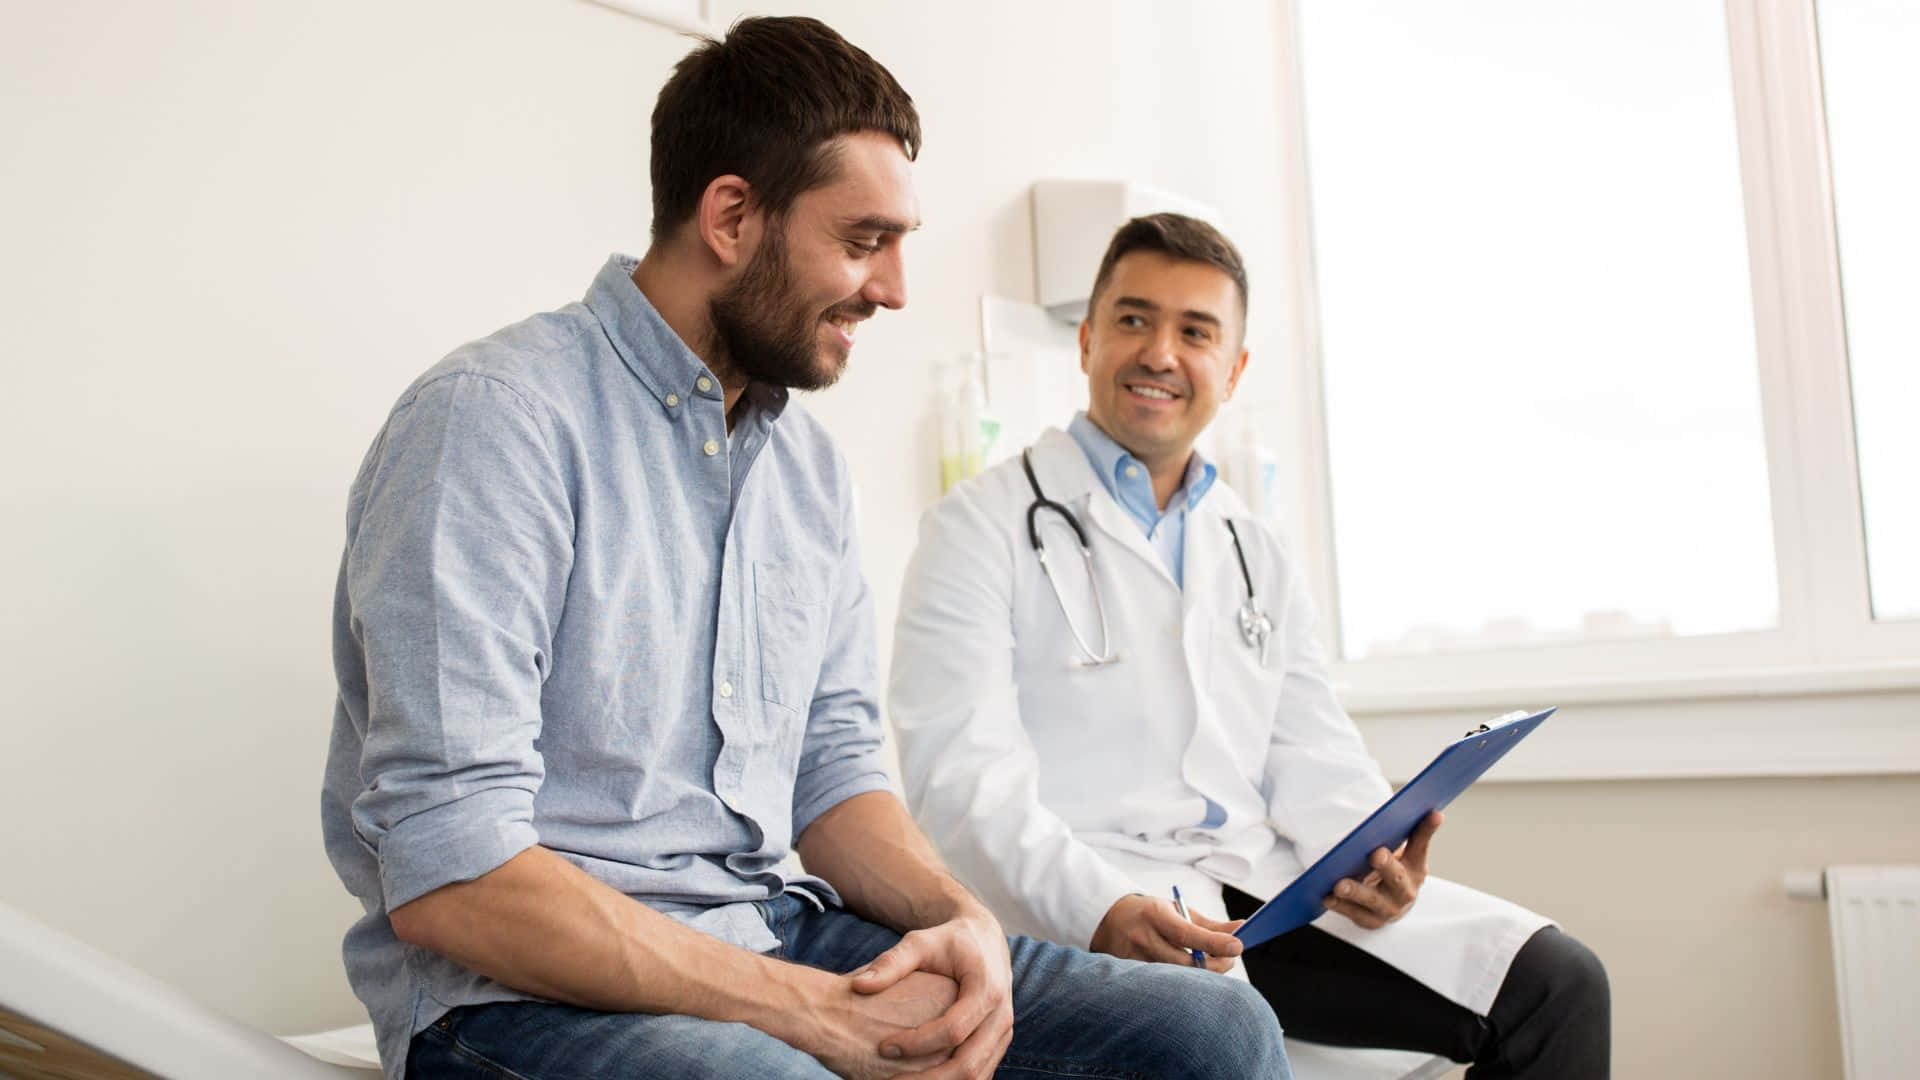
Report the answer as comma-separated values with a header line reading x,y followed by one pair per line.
x,y
1255,627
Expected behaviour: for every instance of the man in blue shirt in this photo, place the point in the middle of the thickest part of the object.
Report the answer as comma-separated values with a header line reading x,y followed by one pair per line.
x,y
606,660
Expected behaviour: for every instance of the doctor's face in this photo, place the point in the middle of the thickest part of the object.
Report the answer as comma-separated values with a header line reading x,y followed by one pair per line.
x,y
822,267
1162,350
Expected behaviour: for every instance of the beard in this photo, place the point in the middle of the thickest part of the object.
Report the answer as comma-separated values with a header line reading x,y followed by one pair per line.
x,y
764,331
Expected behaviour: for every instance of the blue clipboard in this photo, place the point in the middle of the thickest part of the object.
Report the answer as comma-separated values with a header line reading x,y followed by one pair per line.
x,y
1442,781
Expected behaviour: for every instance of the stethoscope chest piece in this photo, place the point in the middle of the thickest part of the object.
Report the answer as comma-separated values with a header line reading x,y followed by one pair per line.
x,y
1255,629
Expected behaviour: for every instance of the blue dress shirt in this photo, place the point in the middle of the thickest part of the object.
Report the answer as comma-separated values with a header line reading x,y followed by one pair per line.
x,y
570,613
1127,480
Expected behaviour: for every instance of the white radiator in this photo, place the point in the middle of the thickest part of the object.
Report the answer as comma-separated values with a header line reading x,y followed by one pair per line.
x,y
1874,912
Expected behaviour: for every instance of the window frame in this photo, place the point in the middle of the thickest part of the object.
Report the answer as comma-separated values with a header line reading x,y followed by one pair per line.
x,y
1827,645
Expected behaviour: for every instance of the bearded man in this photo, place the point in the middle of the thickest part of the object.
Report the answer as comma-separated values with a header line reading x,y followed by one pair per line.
x,y
605,658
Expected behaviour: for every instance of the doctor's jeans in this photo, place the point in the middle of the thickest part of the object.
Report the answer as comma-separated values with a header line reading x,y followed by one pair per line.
x,y
1551,1020
1076,1014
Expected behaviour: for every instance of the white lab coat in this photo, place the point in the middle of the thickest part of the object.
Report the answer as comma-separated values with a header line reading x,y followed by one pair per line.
x,y
1053,789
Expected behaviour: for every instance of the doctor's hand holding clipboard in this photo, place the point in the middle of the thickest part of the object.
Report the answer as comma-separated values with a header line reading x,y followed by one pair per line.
x,y
1390,888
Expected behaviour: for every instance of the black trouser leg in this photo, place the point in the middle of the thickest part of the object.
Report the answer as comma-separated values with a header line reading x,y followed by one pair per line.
x,y
1551,1018
1553,1015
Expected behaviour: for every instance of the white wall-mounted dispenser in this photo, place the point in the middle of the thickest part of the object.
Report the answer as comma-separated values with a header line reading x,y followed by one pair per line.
x,y
1074,220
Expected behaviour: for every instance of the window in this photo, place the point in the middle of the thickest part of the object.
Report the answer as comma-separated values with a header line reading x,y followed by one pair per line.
x,y
1871,83
1542,394
1574,309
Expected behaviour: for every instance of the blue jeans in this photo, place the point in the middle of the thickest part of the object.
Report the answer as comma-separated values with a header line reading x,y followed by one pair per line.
x,y
1075,1014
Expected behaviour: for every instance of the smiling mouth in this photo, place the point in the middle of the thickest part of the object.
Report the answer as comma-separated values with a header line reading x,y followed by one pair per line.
x,y
848,325
1151,393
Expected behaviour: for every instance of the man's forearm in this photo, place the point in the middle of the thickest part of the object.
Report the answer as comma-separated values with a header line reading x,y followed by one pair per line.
x,y
541,925
869,849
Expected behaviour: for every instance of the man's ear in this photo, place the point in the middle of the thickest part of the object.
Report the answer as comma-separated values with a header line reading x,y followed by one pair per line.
x,y
725,218
1239,366
1085,357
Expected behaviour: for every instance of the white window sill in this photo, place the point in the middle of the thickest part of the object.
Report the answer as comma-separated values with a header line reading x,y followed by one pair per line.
x,y
1770,682
1826,721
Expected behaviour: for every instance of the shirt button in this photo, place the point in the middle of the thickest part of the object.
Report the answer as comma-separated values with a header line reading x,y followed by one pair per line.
x,y
1133,471
711,448
726,689
672,400
703,383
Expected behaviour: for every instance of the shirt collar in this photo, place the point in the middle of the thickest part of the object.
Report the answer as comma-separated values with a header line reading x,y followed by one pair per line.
x,y
652,351
1110,461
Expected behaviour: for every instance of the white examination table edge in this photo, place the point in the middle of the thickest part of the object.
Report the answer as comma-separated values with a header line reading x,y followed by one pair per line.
x,y
70,987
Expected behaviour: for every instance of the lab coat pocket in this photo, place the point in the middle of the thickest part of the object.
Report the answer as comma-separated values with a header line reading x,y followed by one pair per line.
x,y
791,618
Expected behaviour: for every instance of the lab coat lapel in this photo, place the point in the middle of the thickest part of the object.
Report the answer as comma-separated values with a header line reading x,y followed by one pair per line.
x,y
1207,604
1208,557
1110,518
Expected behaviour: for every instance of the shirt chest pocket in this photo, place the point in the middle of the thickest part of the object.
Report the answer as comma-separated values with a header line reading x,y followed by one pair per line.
x,y
790,617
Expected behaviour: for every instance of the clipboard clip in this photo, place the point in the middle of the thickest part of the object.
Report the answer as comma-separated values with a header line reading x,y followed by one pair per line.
x,y
1507,718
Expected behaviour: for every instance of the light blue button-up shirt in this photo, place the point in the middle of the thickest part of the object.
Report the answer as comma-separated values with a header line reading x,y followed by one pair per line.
x,y
1127,480
569,613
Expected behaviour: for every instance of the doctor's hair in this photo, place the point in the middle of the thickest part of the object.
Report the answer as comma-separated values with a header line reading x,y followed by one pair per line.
x,y
1176,236
762,104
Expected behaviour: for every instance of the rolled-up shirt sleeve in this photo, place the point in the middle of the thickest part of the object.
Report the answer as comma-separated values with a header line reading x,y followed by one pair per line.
x,y
455,576
841,752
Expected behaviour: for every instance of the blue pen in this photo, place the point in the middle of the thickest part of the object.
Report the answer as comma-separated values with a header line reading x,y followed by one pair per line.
x,y
1199,958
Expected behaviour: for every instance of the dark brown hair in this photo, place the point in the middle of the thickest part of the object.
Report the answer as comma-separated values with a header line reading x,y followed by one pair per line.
x,y
1177,236
761,104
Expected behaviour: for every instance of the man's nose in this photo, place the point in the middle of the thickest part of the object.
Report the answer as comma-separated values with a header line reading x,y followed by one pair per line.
x,y
1158,353
888,284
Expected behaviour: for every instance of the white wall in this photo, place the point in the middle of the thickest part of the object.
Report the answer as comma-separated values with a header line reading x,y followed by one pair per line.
x,y
236,231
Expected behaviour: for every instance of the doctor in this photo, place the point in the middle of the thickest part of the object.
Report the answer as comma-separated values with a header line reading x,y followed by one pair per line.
x,y
1082,728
